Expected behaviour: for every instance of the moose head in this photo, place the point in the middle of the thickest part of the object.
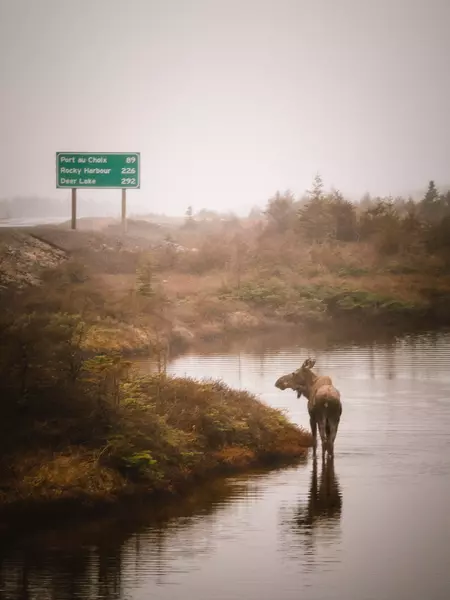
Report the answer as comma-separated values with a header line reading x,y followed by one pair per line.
x,y
299,380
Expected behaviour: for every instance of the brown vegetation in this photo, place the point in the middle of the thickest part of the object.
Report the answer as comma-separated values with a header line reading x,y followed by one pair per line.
x,y
90,429
74,423
308,262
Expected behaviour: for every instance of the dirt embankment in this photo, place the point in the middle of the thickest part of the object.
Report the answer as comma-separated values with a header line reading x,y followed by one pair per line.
x,y
23,257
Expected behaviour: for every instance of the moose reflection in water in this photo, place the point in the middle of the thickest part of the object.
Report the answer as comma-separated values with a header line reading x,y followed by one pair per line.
x,y
325,498
321,514
324,403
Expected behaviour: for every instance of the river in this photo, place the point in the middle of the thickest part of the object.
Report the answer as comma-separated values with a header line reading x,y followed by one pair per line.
x,y
376,527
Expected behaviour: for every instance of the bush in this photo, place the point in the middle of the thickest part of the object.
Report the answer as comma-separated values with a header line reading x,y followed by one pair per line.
x,y
267,294
93,423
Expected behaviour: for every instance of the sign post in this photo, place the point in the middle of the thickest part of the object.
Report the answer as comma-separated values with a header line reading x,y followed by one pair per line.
x,y
74,208
124,211
107,170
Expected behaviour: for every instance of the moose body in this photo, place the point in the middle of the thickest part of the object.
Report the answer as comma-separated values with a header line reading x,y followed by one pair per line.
x,y
324,403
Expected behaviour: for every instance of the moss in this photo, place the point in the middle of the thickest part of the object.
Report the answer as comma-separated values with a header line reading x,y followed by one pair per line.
x,y
372,304
352,271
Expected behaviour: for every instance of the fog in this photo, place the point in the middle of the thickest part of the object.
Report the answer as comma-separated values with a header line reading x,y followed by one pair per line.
x,y
227,102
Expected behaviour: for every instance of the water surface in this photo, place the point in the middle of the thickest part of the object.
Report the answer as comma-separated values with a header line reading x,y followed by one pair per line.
x,y
376,526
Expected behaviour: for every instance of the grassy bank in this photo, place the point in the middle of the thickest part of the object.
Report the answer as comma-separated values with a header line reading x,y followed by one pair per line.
x,y
148,294
108,434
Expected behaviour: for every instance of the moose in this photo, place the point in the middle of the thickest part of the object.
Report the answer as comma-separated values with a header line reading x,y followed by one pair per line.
x,y
324,403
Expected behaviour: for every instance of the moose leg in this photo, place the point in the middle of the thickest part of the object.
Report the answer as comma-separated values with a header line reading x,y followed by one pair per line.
x,y
313,423
323,435
333,425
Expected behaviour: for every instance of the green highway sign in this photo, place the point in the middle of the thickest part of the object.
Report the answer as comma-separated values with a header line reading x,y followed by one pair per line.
x,y
97,170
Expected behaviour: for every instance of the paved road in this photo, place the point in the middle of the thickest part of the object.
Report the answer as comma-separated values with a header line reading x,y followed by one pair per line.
x,y
32,221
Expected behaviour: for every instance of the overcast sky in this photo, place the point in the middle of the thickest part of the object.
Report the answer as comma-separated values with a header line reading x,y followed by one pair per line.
x,y
227,100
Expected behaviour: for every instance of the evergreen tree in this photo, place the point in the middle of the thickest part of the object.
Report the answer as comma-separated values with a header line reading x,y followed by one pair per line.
x,y
316,220
189,222
316,193
344,215
281,212
430,205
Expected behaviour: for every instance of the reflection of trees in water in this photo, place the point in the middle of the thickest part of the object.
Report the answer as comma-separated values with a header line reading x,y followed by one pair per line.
x,y
372,361
72,575
109,571
98,559
411,345
321,513
410,355
390,366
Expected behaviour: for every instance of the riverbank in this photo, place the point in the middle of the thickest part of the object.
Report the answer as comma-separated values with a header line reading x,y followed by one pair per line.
x,y
106,440
144,293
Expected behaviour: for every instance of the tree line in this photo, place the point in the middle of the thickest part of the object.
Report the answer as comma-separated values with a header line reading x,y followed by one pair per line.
x,y
394,224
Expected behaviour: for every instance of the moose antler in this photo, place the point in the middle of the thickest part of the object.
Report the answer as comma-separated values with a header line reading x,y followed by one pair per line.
x,y
309,363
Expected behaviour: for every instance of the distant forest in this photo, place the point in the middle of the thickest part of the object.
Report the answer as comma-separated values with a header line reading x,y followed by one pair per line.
x,y
393,224
317,214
